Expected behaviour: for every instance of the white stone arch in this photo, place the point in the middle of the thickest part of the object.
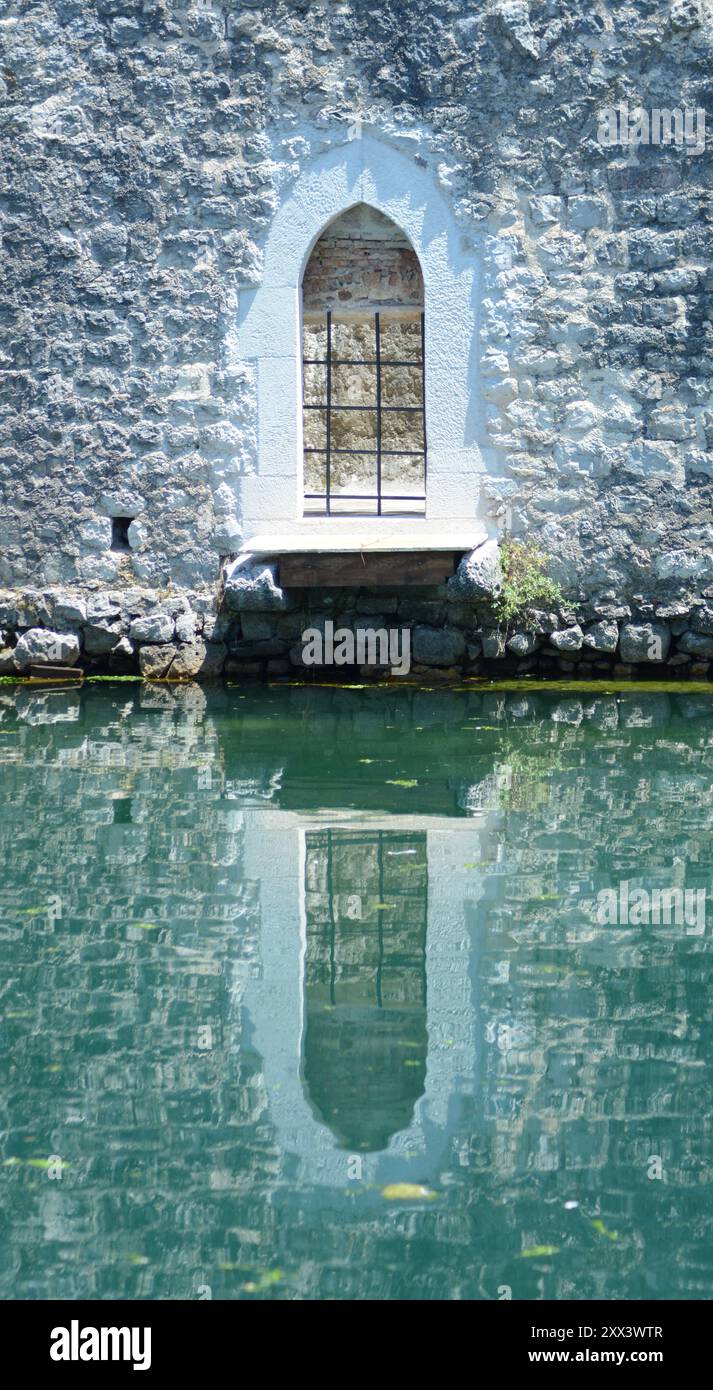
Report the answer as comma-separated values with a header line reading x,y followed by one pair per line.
x,y
368,169
335,218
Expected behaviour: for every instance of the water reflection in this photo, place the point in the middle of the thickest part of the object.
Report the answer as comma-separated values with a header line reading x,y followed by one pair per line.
x,y
203,1014
365,1042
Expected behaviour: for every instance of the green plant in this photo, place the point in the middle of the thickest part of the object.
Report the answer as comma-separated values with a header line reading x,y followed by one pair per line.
x,y
525,583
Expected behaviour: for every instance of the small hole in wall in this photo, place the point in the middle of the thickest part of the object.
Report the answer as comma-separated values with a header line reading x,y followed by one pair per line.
x,y
120,532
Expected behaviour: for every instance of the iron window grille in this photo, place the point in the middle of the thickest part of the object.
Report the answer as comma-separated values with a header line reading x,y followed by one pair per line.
x,y
381,498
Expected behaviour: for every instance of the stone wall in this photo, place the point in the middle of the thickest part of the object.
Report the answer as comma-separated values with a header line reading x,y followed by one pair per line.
x,y
148,147
191,635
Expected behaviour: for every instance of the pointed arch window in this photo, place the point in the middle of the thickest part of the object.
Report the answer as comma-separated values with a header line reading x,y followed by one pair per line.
x,y
363,341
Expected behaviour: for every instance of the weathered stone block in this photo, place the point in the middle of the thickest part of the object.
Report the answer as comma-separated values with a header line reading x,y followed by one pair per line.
x,y
493,644
437,646
96,534
155,662
682,565
696,644
215,626
227,536
68,608
137,535
513,17
255,628
685,15
156,628
545,210
205,659
9,616
254,588
100,638
187,626
702,620
639,642
602,636
586,212
671,422
125,31
523,643
653,249
103,606
569,640
543,623
560,249
43,647
479,574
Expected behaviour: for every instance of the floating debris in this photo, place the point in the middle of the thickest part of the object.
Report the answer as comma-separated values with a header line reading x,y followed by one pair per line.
x,y
408,1192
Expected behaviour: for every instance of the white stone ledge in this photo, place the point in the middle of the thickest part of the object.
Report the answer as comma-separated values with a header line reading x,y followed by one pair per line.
x,y
371,534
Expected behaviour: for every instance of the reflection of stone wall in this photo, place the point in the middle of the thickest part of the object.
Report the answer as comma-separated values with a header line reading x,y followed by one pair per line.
x,y
125,928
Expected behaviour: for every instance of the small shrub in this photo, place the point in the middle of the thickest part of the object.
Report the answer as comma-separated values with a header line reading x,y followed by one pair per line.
x,y
525,583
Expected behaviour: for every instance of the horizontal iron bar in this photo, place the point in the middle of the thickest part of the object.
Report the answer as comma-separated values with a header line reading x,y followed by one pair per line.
x,y
367,496
393,453
334,407
359,362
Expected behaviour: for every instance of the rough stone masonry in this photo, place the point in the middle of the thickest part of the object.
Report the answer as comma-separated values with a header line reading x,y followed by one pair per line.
x,y
145,147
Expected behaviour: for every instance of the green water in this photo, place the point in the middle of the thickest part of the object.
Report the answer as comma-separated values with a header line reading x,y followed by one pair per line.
x,y
269,959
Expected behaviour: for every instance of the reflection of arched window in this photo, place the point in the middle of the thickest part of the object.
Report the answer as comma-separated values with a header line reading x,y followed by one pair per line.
x,y
365,981
363,370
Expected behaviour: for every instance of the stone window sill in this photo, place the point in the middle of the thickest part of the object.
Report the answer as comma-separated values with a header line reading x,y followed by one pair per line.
x,y
357,534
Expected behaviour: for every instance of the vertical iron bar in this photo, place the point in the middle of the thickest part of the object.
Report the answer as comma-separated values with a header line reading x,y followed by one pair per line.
x,y
378,414
332,923
328,473
380,915
423,395
424,982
